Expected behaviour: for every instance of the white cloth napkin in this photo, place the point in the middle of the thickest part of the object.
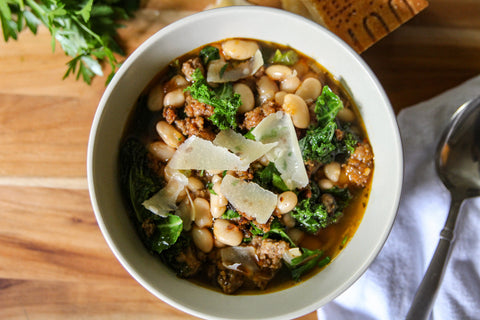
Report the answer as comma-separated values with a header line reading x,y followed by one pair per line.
x,y
387,288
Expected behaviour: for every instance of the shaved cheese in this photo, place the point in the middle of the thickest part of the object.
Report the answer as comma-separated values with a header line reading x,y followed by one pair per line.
x,y
248,150
286,156
200,154
219,71
249,198
165,200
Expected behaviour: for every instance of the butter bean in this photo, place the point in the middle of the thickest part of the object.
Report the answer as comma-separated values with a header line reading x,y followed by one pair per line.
x,y
227,232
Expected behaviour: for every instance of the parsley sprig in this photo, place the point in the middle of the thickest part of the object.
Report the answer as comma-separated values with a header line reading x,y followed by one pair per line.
x,y
86,29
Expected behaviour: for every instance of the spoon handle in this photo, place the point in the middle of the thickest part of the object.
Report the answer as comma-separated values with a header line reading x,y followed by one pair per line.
x,y
427,291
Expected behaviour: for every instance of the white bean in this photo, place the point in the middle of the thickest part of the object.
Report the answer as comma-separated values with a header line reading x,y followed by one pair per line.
x,y
218,205
346,115
202,238
194,184
279,97
171,136
288,220
286,201
266,88
300,68
290,84
246,96
175,98
227,232
168,172
176,82
155,98
325,184
332,171
239,49
161,151
297,108
296,235
203,217
216,178
278,72
310,89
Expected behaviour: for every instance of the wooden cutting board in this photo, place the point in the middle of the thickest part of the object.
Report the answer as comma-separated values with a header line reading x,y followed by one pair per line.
x,y
54,262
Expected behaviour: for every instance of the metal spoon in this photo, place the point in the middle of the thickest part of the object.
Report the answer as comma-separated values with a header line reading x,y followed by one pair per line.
x,y
458,166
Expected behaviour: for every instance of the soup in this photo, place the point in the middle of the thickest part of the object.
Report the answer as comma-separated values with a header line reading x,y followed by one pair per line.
x,y
245,166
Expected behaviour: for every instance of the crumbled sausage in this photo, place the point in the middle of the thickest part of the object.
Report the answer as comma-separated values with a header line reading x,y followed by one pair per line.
x,y
195,108
195,127
170,114
253,118
269,252
229,280
189,67
359,166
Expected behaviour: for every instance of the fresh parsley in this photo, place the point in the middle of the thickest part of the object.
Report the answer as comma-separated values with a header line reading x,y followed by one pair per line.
x,y
86,30
222,98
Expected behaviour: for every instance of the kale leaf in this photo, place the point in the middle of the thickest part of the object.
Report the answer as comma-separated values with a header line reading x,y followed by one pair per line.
x,y
312,215
137,179
277,230
269,178
209,53
222,98
139,183
288,58
320,142
306,262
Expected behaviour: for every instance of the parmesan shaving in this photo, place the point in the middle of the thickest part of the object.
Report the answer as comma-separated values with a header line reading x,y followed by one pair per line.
x,y
248,150
249,198
286,156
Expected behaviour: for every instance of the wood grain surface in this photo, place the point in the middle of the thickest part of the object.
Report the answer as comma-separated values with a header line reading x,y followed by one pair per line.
x,y
54,262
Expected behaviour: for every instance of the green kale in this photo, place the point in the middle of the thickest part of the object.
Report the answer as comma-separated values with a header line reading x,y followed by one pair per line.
x,y
170,256
277,230
137,179
167,232
306,262
208,54
327,106
230,214
312,215
139,183
320,142
222,98
288,58
269,178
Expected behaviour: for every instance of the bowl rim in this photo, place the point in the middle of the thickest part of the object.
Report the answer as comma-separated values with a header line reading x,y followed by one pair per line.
x,y
196,18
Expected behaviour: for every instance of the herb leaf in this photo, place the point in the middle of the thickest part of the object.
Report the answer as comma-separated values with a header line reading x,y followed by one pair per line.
x,y
84,29
306,262
209,53
320,142
288,58
312,215
223,99
269,178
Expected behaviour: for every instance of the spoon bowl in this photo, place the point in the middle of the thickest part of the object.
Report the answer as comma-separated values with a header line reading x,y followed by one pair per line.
x,y
457,161
458,153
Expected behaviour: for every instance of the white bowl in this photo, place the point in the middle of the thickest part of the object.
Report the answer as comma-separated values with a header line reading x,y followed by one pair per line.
x,y
263,24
